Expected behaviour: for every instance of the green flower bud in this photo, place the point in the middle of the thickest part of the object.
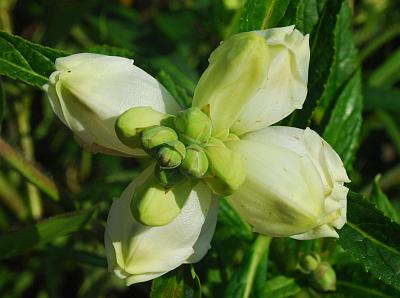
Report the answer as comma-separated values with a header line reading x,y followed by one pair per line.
x,y
309,262
226,172
131,123
195,163
193,126
323,278
155,205
171,154
168,177
155,136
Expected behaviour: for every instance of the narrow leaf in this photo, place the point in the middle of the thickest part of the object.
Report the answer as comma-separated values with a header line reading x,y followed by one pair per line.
x,y
28,170
26,61
322,42
382,98
373,240
180,94
353,290
261,14
180,283
281,287
382,202
344,124
250,278
42,232
2,102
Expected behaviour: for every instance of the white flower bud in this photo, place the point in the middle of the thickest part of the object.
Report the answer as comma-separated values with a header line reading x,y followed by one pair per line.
x,y
294,184
89,91
254,79
138,253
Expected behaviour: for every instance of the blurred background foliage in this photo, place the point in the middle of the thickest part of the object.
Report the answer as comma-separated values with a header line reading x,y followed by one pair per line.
x,y
172,40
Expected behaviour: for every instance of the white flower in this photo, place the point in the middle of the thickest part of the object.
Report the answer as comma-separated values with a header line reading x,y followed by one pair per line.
x,y
294,184
255,79
138,253
89,91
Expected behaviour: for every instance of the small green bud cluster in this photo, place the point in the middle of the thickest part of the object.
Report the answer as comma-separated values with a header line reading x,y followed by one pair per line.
x,y
320,274
185,150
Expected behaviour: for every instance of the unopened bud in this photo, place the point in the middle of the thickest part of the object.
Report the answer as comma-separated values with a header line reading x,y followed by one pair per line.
x,y
226,172
323,278
309,262
195,163
168,177
131,123
193,126
156,136
155,205
171,154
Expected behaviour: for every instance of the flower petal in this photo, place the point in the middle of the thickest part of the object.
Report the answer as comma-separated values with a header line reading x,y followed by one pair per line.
x,y
137,252
285,85
88,92
283,192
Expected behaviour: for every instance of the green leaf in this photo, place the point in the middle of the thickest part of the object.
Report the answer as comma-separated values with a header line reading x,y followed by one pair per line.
x,y
180,283
382,98
261,14
344,124
180,94
281,287
2,102
373,240
28,170
27,238
382,202
388,73
251,276
345,59
391,127
322,44
231,221
26,61
303,13
353,290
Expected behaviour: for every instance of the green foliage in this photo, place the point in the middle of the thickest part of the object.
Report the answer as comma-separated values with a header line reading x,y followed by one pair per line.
x,y
26,61
373,240
261,14
353,103
182,282
281,287
27,238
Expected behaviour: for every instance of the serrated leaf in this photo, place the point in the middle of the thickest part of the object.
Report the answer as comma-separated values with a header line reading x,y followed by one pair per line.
x,y
322,42
180,94
249,280
373,240
344,124
353,290
345,59
27,238
230,220
180,283
281,287
261,14
303,13
382,202
26,61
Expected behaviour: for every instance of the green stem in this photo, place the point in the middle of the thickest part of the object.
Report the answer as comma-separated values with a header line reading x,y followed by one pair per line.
x,y
261,251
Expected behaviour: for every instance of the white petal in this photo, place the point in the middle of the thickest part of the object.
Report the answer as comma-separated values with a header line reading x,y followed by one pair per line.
x,y
90,91
141,251
202,244
283,192
285,87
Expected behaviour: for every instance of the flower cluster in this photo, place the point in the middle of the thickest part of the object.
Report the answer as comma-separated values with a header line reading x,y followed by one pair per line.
x,y
283,181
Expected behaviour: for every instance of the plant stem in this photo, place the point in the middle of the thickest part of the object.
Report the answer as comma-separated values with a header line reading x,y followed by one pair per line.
x,y
261,251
